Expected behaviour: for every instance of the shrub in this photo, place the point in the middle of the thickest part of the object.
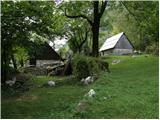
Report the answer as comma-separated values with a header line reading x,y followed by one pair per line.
x,y
80,67
156,52
149,49
93,66
103,65
84,66
152,49
12,72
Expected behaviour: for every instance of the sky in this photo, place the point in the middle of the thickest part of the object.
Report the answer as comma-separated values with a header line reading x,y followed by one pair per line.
x,y
58,43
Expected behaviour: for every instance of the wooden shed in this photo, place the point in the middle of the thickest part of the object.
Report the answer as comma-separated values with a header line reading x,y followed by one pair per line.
x,y
118,44
44,54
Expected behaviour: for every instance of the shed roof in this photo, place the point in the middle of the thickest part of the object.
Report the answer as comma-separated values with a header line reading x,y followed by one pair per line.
x,y
46,52
111,42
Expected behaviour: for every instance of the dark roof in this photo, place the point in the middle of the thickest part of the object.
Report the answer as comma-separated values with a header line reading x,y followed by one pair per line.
x,y
46,52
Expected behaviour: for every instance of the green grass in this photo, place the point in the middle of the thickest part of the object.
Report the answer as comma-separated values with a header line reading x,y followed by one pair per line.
x,y
40,102
129,91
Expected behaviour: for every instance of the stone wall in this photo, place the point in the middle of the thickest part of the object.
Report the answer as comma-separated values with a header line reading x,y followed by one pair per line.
x,y
117,52
40,63
45,62
122,51
107,52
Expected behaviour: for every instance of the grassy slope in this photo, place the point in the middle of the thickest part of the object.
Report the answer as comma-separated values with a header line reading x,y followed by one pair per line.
x,y
129,91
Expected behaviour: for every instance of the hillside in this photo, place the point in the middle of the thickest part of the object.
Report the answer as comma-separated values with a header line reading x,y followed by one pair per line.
x,y
129,91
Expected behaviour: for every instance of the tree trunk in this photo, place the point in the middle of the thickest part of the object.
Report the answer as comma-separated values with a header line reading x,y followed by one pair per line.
x,y
14,61
95,44
95,30
94,24
79,50
22,63
4,68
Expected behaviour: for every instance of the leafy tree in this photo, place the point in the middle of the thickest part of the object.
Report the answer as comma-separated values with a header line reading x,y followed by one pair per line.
x,y
20,19
95,13
138,19
145,14
78,36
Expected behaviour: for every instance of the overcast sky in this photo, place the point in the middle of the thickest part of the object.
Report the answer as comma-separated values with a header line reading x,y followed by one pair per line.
x,y
58,43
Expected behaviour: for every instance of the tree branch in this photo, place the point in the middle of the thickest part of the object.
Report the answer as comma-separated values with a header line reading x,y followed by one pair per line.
x,y
75,42
79,16
85,39
137,20
104,4
80,35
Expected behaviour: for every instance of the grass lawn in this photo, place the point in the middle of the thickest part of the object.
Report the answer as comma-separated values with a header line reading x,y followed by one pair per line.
x,y
129,91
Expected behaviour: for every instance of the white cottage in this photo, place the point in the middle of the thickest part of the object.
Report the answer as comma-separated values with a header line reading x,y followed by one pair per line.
x,y
117,45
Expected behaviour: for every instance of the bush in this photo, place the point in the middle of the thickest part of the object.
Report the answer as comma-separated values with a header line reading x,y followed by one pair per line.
x,y
84,66
80,67
12,72
93,66
156,52
103,65
152,49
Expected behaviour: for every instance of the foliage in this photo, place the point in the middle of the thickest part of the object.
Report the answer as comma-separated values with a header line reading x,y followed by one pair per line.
x,y
80,67
93,66
93,16
84,66
138,19
26,17
12,72
79,34
21,55
62,51
21,20
152,49
147,20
